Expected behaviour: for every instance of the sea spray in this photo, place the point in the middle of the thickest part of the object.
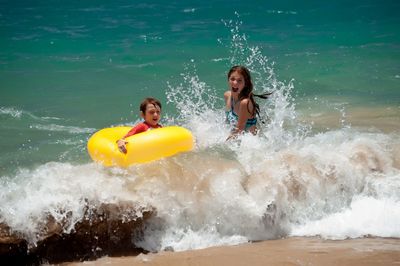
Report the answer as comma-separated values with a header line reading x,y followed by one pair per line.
x,y
278,116
288,180
228,211
197,106
263,186
366,216
239,198
59,190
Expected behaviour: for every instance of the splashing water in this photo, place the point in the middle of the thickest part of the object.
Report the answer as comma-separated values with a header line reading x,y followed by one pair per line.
x,y
284,181
278,182
197,102
278,115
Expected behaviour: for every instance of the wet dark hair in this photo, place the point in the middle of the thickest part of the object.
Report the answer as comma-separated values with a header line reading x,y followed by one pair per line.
x,y
147,101
247,91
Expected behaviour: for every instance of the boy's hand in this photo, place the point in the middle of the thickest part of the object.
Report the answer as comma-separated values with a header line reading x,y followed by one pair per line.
x,y
121,145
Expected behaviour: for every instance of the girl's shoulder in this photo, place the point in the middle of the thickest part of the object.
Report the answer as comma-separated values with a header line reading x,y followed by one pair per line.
x,y
245,101
246,104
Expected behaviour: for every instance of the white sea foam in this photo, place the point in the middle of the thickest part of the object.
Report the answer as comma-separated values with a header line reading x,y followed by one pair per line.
x,y
287,180
189,10
190,239
248,191
56,189
365,216
265,186
17,113
229,194
11,111
134,65
61,128
282,12
219,59
284,181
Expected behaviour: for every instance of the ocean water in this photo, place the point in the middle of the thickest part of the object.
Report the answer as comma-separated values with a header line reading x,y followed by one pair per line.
x,y
326,161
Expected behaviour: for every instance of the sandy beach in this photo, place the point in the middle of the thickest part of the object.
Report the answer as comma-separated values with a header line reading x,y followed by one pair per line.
x,y
290,251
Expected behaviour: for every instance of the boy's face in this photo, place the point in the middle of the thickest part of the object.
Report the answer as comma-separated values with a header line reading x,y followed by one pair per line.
x,y
152,114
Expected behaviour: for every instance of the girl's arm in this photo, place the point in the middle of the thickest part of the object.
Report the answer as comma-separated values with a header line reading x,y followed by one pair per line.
x,y
227,96
243,114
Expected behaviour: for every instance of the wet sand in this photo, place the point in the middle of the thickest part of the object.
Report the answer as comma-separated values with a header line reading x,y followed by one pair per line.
x,y
290,251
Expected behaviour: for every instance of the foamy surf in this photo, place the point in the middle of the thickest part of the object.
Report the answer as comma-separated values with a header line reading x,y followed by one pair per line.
x,y
62,128
281,182
292,179
19,113
227,193
366,216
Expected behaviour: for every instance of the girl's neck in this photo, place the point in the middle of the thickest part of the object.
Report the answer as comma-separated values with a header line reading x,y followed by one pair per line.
x,y
234,101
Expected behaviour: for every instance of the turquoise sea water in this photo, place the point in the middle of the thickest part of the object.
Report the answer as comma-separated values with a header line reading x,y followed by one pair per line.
x,y
68,69
89,64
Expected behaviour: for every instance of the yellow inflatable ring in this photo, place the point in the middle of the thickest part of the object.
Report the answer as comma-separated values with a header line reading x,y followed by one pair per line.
x,y
143,147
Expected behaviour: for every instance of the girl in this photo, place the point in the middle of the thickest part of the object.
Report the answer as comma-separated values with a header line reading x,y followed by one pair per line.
x,y
241,108
150,110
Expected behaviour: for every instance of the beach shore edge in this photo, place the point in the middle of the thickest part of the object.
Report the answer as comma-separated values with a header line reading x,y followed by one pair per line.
x,y
288,251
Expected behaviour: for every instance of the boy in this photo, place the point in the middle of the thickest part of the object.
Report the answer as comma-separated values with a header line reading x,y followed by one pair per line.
x,y
150,111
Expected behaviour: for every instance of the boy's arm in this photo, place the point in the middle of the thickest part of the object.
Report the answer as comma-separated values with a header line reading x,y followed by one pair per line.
x,y
135,130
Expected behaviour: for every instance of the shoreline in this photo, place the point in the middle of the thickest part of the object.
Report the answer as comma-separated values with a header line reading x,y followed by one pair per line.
x,y
288,251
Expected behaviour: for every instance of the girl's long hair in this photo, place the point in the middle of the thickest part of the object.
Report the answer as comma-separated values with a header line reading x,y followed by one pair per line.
x,y
247,91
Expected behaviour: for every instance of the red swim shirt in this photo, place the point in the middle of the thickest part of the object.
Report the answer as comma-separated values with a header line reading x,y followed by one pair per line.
x,y
139,128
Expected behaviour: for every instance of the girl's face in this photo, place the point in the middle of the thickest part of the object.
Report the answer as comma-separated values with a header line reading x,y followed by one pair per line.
x,y
152,115
236,82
